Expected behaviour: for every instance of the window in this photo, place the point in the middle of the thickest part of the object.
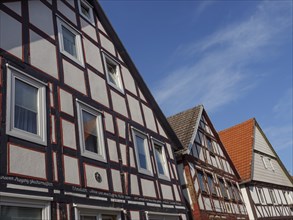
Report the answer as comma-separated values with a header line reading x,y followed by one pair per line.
x,y
161,161
211,184
86,10
230,190
223,188
271,163
84,212
209,145
273,196
70,42
261,196
202,185
264,162
113,73
24,209
236,192
90,132
26,107
142,152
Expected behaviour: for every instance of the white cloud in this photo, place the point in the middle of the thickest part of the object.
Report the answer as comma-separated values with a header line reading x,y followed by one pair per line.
x,y
218,71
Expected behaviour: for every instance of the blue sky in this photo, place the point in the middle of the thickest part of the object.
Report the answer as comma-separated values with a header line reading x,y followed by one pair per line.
x,y
234,57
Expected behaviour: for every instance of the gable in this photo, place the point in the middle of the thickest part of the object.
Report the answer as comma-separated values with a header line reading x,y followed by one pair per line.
x,y
261,144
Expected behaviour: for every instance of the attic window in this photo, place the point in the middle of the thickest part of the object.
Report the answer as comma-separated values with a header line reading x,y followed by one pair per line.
x,y
271,163
113,73
264,162
86,10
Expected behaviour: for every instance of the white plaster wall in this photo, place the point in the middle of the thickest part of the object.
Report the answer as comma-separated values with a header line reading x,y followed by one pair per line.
x,y
161,130
109,122
119,104
27,162
53,134
41,17
113,150
10,35
131,157
135,110
91,180
121,128
88,29
116,178
134,215
170,151
71,170
68,134
14,6
93,56
123,151
107,44
134,184
100,26
149,118
66,104
43,54
207,203
217,205
54,158
141,95
128,81
253,193
176,193
98,88
167,192
148,188
71,2
74,77
66,11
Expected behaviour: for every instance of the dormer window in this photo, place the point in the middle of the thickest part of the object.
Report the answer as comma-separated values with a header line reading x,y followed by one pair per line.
x,y
113,73
86,10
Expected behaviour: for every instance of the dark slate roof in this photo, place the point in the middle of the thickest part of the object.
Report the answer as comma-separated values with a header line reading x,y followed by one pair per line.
x,y
183,124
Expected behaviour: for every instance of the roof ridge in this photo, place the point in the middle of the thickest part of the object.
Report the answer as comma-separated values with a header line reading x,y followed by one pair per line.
x,y
234,126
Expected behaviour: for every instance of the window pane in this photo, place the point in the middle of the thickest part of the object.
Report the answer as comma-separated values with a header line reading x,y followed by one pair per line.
x,y
108,217
20,213
90,132
159,159
209,143
85,10
201,181
211,184
26,107
83,217
141,152
69,41
223,188
112,73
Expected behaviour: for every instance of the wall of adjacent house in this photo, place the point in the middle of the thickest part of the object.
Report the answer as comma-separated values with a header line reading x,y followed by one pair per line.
x,y
269,201
29,41
266,167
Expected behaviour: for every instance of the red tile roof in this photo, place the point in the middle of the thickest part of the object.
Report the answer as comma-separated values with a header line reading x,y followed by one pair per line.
x,y
238,141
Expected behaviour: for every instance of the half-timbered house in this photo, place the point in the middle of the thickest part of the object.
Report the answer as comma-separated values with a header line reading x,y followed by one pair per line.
x,y
208,177
266,185
81,135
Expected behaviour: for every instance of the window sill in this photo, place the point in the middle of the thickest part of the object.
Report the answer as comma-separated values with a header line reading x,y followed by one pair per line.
x,y
68,55
94,156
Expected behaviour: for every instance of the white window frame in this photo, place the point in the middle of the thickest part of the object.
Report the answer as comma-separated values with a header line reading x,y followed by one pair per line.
x,y
41,136
166,175
106,59
264,162
149,170
97,211
90,7
81,106
261,194
78,38
271,163
30,203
